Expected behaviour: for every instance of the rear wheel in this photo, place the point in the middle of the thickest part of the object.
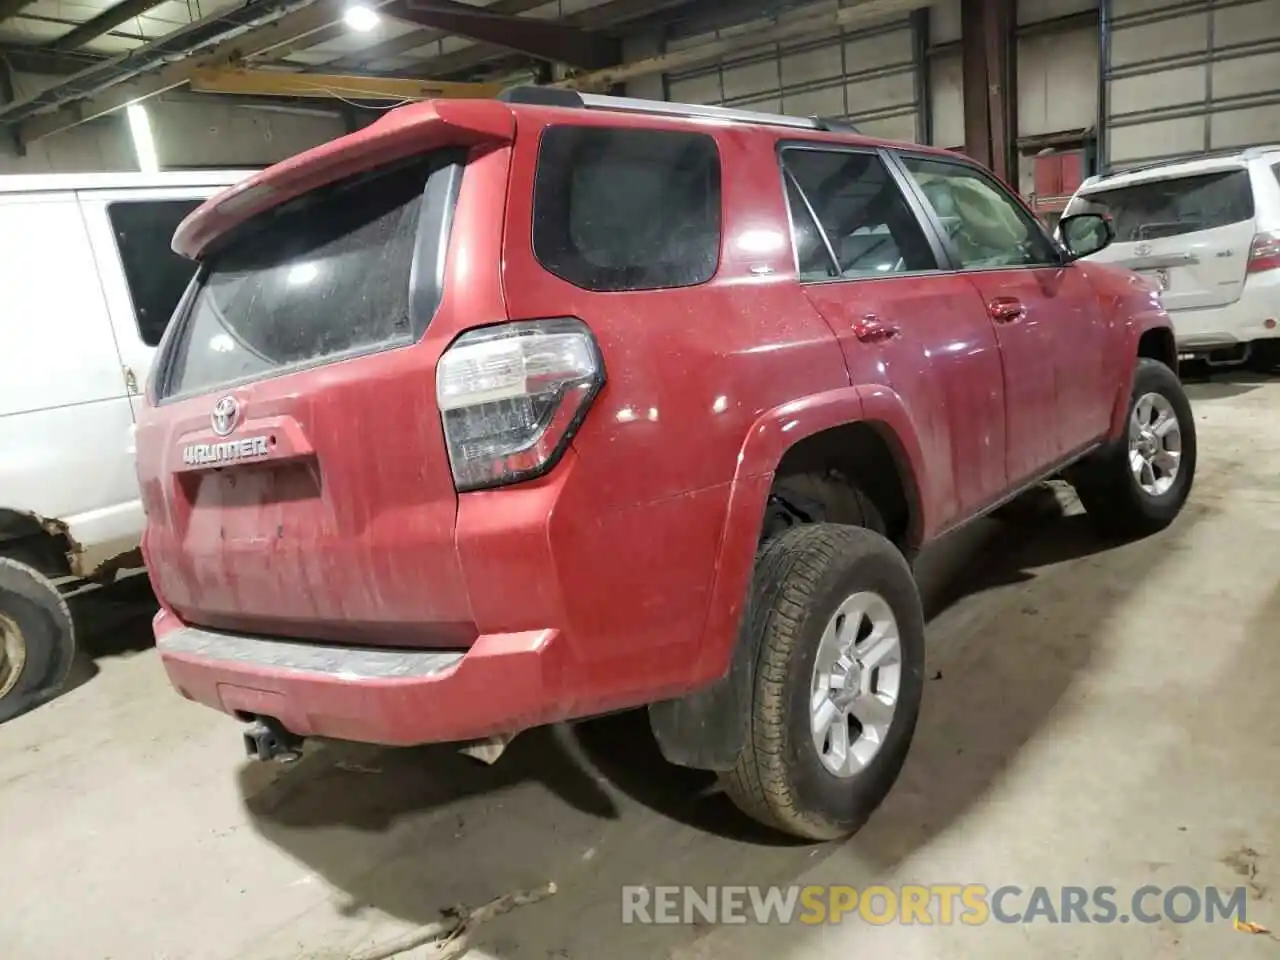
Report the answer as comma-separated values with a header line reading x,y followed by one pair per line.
x,y
837,684
37,638
1138,484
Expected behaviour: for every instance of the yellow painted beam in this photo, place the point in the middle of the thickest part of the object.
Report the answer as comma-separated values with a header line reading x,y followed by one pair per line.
x,y
279,83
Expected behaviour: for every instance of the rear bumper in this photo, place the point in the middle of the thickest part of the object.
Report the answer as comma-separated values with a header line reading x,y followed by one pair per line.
x,y
568,624
1255,316
504,682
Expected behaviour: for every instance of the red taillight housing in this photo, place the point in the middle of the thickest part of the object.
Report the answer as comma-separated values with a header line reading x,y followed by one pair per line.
x,y
512,396
1265,253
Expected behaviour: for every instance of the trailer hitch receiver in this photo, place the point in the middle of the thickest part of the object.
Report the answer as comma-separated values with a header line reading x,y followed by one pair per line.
x,y
267,739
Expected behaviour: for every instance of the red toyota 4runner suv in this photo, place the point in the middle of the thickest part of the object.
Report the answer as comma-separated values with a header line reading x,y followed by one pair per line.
x,y
506,412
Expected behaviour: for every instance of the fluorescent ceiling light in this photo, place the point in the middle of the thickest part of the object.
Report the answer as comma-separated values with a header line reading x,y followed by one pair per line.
x,y
360,18
144,145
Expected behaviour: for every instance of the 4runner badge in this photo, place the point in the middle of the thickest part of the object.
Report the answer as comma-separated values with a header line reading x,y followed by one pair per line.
x,y
198,454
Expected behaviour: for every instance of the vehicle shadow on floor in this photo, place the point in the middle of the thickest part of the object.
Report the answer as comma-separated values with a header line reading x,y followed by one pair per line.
x,y
1203,383
111,621
594,807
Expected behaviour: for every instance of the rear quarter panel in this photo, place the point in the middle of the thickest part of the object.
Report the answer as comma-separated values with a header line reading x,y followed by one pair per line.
x,y
689,373
66,429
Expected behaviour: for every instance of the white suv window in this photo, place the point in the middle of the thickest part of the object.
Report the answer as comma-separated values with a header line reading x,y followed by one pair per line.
x,y
1169,208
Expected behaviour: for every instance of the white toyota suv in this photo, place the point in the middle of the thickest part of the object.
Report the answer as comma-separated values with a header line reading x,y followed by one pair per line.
x,y
1207,231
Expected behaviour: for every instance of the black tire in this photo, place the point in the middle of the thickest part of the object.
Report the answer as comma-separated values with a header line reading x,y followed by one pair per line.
x,y
32,608
1107,487
802,577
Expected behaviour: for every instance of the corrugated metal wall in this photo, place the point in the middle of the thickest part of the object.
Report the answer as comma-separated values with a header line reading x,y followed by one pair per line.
x,y
1186,77
869,75
1057,70
189,131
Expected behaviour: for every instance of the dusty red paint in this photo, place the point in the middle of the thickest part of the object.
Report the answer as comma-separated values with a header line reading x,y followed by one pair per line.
x,y
620,577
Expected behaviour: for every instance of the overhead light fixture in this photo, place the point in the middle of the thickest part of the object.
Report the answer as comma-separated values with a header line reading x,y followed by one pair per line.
x,y
361,18
144,144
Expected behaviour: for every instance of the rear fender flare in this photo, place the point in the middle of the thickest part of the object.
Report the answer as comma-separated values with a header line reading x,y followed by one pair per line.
x,y
707,728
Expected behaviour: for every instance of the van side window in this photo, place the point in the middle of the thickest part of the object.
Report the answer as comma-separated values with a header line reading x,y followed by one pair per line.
x,y
157,276
866,219
617,209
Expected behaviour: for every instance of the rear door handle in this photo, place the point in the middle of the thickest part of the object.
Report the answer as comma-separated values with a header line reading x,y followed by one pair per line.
x,y
871,329
1006,309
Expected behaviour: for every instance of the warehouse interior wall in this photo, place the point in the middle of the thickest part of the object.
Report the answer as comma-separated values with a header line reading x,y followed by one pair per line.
x,y
1167,77
189,131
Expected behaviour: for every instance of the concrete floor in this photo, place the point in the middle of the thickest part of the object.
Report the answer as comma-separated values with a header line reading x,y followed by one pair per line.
x,y
1099,716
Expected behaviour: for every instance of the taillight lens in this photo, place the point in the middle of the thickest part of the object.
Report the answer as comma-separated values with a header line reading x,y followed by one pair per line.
x,y
1265,252
512,396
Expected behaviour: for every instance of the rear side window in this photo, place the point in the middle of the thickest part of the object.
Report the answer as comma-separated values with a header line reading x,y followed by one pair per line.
x,y
324,278
617,209
157,277
1170,208
863,214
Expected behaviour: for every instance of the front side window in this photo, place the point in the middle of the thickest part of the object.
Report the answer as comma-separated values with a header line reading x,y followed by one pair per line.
x,y
867,222
985,225
157,277
620,209
1172,207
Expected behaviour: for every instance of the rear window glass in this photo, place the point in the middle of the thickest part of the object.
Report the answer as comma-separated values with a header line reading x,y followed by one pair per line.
x,y
622,209
1169,208
326,277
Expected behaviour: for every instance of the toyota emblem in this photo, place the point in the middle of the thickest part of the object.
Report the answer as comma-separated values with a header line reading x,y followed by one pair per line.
x,y
1143,249
225,413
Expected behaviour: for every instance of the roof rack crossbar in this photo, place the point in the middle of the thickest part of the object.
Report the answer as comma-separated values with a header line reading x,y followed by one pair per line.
x,y
560,97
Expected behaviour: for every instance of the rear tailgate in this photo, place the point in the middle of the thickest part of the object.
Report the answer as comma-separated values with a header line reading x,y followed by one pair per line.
x,y
1190,232
293,464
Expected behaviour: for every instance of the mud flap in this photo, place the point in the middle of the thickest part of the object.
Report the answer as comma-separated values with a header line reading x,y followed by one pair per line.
x,y
707,729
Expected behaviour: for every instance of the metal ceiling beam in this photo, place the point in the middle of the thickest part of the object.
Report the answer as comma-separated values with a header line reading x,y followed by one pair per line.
x,y
821,24
41,60
545,39
280,83
419,38
260,39
601,17
10,8
103,23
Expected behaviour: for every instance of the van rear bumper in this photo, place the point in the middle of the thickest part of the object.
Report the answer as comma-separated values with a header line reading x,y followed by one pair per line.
x,y
502,683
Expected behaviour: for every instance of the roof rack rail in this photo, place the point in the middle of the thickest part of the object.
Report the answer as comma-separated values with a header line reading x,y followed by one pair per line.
x,y
561,97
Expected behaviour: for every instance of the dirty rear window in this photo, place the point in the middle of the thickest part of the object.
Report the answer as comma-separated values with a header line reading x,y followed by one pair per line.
x,y
619,209
1170,208
325,278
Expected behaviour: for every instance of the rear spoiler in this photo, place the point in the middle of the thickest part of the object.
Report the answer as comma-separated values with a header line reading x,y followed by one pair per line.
x,y
400,133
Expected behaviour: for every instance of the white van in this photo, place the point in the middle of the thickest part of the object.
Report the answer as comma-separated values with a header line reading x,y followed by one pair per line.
x,y
87,285
1207,231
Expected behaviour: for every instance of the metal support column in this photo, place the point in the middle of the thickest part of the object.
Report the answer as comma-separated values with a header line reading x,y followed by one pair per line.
x,y
924,81
988,48
7,95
